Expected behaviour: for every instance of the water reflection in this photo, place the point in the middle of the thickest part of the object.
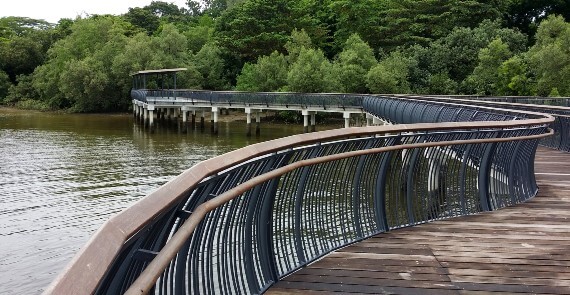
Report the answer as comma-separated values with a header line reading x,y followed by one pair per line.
x,y
62,176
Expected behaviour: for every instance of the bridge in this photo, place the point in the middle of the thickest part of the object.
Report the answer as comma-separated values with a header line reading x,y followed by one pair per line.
x,y
152,105
411,208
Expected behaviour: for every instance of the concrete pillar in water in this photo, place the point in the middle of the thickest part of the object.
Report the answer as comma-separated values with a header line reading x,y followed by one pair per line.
x,y
139,114
184,120
193,124
358,122
313,121
137,111
150,117
176,114
257,123
305,114
168,116
202,124
145,116
215,111
346,116
134,109
248,121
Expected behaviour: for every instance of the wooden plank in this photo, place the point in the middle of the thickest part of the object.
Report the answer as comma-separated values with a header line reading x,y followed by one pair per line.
x,y
375,274
362,288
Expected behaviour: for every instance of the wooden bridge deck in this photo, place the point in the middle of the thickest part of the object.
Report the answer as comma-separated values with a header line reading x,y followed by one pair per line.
x,y
517,250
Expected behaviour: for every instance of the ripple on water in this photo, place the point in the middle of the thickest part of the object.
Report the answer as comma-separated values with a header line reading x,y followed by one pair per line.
x,y
57,188
62,176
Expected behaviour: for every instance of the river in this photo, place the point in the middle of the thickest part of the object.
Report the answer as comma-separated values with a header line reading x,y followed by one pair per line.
x,y
62,176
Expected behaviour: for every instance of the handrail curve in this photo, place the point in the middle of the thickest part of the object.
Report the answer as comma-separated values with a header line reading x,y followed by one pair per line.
x,y
152,272
493,172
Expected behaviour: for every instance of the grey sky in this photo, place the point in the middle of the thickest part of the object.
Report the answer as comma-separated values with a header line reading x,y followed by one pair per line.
x,y
53,10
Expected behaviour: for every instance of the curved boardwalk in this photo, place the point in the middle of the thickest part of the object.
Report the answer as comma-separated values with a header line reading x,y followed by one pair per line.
x,y
517,250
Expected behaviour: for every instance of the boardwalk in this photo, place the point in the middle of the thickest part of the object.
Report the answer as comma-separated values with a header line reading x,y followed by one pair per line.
x,y
518,250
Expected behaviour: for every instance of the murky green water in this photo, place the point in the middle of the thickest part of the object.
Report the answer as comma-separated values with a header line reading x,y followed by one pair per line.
x,y
62,176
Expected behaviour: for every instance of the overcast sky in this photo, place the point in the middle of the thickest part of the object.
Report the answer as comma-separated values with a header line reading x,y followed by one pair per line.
x,y
53,10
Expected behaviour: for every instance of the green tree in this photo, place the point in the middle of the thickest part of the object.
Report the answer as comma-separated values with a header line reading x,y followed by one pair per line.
x,y
78,73
391,74
457,53
352,65
299,40
527,14
259,27
550,56
210,65
268,74
143,18
483,80
200,34
513,77
310,73
362,17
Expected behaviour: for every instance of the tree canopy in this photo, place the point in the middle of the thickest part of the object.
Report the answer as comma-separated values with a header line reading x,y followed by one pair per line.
x,y
491,47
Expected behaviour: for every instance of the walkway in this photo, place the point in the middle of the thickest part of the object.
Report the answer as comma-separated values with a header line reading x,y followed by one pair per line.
x,y
518,250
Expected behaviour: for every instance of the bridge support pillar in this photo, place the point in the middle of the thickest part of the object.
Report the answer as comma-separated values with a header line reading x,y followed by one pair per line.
x,y
175,115
139,114
145,116
215,111
150,109
168,114
305,121
202,124
184,120
313,121
258,123
346,116
193,124
248,121
137,111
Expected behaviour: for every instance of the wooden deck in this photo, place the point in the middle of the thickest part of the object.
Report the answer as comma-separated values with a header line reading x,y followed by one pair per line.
x,y
517,250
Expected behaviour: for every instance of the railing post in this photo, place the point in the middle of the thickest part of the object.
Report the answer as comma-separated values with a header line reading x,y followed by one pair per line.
x,y
411,167
356,187
380,188
484,176
299,194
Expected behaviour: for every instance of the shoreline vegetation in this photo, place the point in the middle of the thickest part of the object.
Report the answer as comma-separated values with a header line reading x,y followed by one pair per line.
x,y
497,48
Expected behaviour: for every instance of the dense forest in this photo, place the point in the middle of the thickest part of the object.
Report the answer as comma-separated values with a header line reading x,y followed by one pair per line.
x,y
485,47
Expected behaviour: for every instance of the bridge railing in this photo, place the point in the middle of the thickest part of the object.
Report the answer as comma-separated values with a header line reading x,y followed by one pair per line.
x,y
561,125
322,101
239,222
536,100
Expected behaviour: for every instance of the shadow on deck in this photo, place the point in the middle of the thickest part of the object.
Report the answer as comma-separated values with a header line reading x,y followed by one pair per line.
x,y
520,249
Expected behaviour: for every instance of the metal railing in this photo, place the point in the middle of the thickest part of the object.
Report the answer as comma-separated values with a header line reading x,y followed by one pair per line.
x,y
536,100
322,101
561,125
239,222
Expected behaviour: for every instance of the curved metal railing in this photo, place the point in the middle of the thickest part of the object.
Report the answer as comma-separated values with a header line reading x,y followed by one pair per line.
x,y
261,212
552,106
